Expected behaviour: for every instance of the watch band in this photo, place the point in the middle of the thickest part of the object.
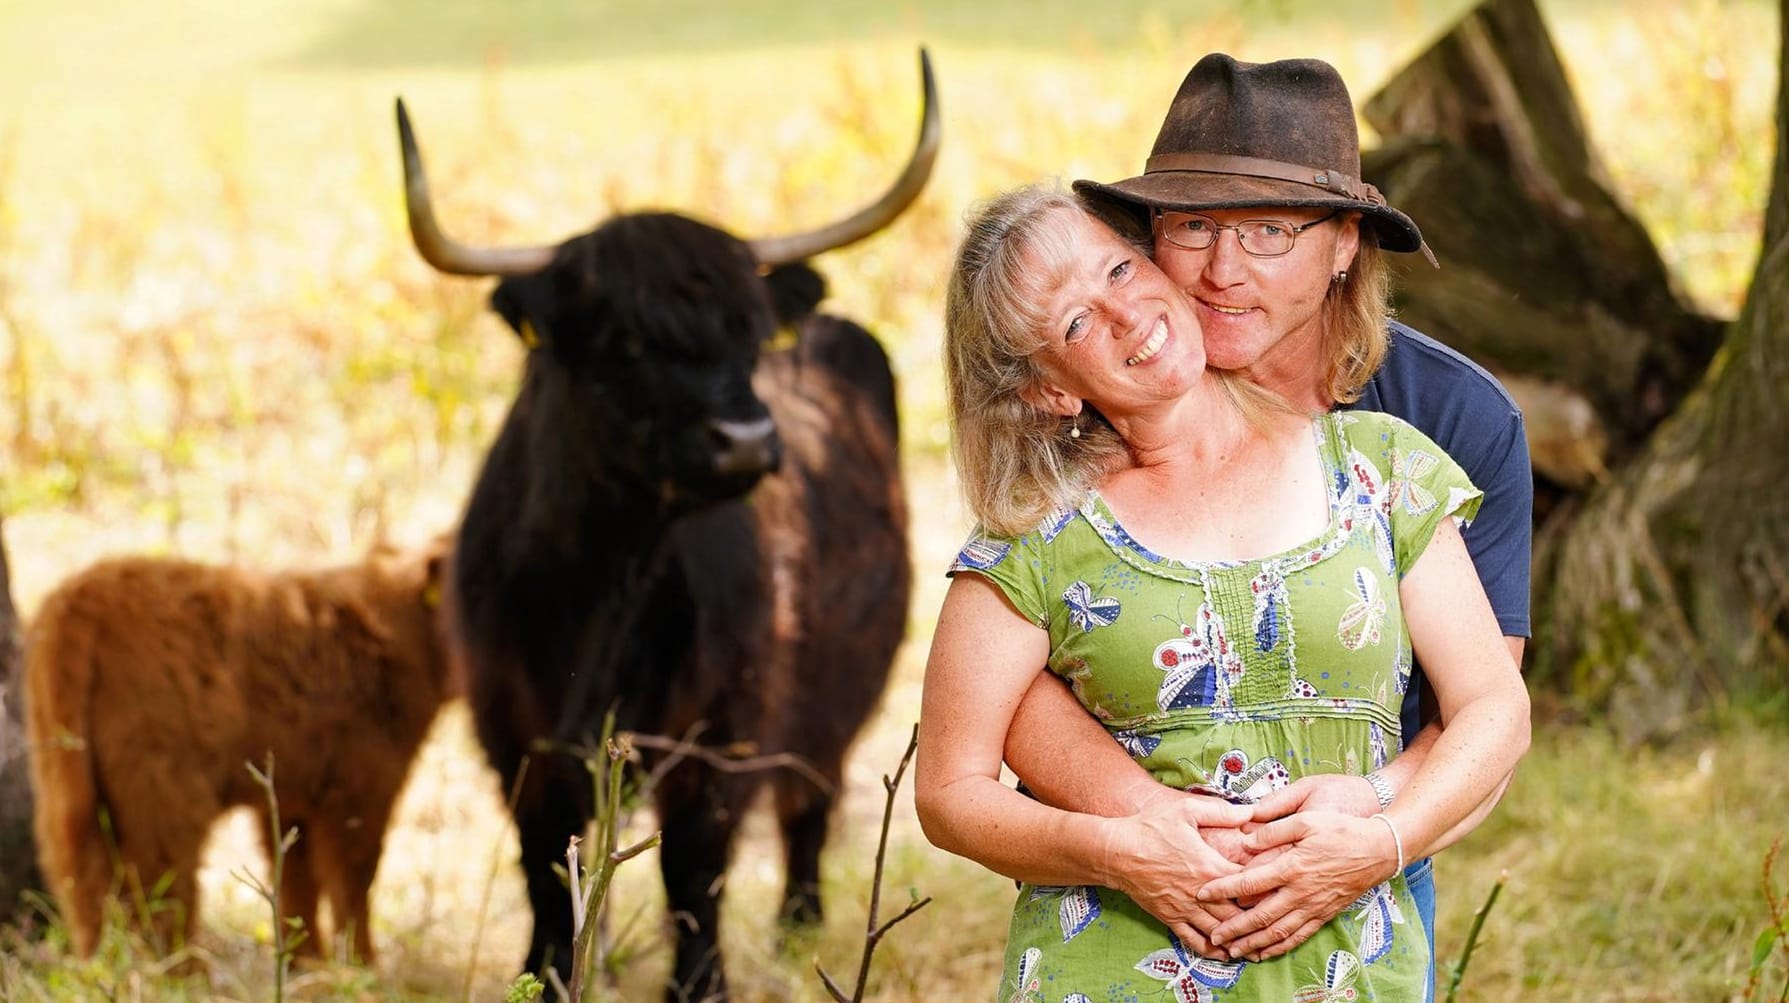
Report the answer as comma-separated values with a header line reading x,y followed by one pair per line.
x,y
1381,789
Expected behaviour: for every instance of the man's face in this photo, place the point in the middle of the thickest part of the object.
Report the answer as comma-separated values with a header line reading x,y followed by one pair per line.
x,y
1263,315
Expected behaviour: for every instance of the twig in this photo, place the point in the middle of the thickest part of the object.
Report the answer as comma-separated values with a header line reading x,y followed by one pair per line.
x,y
588,903
728,762
1478,923
278,847
873,933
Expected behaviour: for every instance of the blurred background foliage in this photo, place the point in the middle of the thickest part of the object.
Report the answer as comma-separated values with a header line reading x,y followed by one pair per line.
x,y
216,340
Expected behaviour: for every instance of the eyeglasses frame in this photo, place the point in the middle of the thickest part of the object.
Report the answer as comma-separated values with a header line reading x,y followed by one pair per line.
x,y
1160,214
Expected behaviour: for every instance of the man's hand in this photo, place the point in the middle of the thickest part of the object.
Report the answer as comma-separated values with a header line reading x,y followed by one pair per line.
x,y
1162,856
1329,859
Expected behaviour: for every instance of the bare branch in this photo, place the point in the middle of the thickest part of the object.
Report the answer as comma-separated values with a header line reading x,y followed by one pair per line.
x,y
728,761
910,910
832,987
873,932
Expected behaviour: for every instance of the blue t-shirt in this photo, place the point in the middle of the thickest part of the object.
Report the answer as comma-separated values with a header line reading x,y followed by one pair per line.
x,y
1453,401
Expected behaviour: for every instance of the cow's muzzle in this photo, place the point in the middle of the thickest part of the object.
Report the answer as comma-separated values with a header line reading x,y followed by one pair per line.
x,y
744,448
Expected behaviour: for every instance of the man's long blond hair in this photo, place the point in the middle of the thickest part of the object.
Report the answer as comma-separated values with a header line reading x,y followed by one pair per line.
x,y
1355,313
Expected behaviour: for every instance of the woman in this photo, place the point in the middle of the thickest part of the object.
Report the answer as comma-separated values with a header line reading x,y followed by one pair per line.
x,y
1232,587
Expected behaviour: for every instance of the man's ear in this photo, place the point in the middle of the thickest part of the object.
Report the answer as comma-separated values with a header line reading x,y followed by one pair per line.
x,y
1050,398
525,304
1347,243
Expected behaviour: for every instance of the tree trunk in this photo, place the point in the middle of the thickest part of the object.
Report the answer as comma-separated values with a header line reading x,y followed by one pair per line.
x,y
1672,587
1662,573
18,855
1544,273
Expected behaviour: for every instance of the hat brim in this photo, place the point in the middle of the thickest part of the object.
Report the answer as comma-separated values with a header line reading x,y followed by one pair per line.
x,y
1196,190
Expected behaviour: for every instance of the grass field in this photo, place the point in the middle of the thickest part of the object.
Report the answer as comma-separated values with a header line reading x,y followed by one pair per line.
x,y
217,341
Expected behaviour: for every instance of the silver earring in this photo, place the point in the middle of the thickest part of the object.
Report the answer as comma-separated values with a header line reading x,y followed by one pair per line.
x,y
1339,277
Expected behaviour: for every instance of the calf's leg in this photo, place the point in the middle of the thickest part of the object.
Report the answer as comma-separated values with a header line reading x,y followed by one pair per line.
x,y
550,811
803,811
699,811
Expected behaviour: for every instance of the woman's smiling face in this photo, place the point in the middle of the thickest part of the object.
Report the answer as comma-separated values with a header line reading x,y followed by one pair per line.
x,y
1116,332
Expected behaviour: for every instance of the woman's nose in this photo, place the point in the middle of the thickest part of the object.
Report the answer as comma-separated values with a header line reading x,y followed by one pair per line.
x,y
1123,314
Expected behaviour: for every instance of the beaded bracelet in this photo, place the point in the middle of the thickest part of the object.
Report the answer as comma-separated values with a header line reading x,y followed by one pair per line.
x,y
1396,839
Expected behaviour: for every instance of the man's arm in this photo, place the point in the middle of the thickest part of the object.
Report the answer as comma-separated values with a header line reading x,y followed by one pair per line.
x,y
1066,759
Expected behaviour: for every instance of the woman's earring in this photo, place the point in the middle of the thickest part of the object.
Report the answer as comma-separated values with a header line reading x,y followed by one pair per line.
x,y
1339,277
1074,428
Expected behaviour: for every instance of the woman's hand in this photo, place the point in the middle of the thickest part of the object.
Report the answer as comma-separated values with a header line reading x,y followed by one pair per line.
x,y
1163,855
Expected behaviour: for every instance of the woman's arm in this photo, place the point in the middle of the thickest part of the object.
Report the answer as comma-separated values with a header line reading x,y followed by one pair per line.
x,y
984,657
1485,731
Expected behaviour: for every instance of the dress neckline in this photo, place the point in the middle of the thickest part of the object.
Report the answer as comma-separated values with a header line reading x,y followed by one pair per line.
x,y
1327,429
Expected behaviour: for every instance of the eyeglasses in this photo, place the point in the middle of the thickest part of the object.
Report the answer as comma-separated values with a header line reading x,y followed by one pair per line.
x,y
1262,238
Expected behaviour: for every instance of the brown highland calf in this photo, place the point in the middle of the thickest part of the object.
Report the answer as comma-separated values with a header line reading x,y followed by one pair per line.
x,y
151,682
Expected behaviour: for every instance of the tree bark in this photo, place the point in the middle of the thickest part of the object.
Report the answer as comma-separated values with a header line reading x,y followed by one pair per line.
x,y
18,854
1672,587
1662,573
1544,273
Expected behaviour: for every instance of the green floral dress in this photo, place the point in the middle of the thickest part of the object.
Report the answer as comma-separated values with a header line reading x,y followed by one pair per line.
x,y
1234,678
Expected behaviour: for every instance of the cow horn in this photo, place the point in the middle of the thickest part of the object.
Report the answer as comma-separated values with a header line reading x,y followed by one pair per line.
x,y
799,246
436,247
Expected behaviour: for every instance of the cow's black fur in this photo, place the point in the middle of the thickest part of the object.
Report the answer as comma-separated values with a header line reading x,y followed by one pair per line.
x,y
608,558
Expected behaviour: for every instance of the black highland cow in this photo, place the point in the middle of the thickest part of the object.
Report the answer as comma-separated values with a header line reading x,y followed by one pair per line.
x,y
682,523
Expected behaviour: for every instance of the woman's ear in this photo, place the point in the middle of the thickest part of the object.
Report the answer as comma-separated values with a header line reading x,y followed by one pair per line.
x,y
1051,399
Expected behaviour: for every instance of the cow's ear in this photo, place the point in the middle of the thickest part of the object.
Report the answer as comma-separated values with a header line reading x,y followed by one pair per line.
x,y
795,291
525,304
434,573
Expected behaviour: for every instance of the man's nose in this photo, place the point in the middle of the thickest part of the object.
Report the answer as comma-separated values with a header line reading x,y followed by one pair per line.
x,y
1227,256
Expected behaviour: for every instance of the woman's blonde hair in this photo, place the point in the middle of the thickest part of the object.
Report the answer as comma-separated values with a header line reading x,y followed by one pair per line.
x,y
1016,462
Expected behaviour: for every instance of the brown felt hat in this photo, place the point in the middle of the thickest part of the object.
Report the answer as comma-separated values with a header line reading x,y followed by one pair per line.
x,y
1242,135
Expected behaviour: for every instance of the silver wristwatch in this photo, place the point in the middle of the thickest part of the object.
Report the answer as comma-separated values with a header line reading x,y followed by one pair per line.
x,y
1381,789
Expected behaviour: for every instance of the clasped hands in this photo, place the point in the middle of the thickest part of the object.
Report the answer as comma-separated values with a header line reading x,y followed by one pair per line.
x,y
1253,881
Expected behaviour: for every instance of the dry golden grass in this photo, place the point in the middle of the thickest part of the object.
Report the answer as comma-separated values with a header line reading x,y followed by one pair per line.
x,y
216,340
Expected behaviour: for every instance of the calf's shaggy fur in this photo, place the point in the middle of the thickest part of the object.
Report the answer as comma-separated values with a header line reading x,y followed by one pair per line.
x,y
151,682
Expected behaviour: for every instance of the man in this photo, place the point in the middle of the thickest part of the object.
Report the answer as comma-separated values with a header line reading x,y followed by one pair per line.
x,y
1248,152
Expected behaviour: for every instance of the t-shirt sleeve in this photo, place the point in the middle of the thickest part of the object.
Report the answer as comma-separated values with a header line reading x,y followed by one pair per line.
x,y
1423,486
1015,566
1501,537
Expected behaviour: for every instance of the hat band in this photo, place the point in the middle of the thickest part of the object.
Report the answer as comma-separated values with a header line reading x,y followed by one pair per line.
x,y
1279,170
